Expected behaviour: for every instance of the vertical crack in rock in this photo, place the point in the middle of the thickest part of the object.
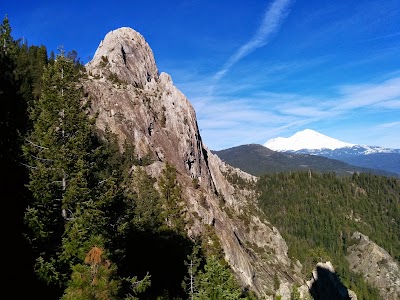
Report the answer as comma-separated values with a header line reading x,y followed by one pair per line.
x,y
123,55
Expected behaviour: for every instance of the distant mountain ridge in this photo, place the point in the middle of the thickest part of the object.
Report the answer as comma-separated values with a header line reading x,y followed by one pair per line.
x,y
258,160
311,142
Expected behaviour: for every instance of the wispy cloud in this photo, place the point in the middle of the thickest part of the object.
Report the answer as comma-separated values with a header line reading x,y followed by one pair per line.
x,y
350,97
389,125
257,117
273,18
356,96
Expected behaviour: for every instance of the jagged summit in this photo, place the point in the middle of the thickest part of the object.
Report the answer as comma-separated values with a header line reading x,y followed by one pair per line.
x,y
127,55
306,139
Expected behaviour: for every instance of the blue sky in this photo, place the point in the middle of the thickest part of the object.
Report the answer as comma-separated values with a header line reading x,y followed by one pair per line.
x,y
253,70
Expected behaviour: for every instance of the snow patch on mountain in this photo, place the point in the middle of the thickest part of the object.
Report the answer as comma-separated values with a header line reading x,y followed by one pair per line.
x,y
376,149
306,139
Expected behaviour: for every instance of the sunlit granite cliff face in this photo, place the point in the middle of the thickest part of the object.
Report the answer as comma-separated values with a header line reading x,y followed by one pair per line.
x,y
376,265
135,101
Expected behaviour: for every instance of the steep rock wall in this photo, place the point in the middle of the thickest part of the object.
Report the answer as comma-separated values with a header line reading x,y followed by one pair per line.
x,y
137,103
377,266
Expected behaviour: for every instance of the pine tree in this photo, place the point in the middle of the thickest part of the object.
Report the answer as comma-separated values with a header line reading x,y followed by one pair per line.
x,y
6,40
9,117
216,282
59,154
193,264
146,201
95,279
171,194
17,83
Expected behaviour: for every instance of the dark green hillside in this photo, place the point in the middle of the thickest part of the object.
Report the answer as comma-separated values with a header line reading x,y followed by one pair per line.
x,y
317,213
258,160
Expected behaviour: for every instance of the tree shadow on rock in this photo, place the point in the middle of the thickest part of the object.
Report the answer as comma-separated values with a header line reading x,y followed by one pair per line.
x,y
327,286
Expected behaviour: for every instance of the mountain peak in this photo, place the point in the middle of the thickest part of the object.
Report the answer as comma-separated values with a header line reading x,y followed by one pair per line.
x,y
306,139
125,54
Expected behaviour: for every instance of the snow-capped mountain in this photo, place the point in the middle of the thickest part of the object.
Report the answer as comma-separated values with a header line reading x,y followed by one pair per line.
x,y
306,139
311,142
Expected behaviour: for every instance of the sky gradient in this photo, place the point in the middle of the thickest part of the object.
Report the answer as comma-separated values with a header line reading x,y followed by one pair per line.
x,y
253,70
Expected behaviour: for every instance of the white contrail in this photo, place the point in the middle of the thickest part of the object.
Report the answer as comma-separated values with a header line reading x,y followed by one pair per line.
x,y
274,16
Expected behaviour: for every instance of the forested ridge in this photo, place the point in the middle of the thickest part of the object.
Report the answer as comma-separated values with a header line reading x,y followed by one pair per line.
x,y
258,160
317,214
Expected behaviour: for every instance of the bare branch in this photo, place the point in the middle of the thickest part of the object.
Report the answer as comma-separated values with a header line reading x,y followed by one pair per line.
x,y
32,143
64,214
28,166
42,159
101,182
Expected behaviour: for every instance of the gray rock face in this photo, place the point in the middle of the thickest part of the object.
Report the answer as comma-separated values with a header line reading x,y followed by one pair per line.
x,y
137,104
125,53
377,266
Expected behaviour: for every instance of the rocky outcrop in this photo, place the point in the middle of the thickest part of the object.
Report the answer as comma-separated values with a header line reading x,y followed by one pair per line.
x,y
125,54
137,103
377,266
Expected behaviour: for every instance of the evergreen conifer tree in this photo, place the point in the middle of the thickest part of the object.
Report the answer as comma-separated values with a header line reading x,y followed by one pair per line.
x,y
216,282
171,194
59,153
8,90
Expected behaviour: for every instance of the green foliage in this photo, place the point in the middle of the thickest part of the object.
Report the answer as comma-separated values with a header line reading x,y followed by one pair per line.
x,y
104,61
141,202
21,68
195,183
238,181
294,293
138,286
48,272
85,198
163,120
171,195
5,34
209,277
64,213
115,79
94,280
81,286
216,282
210,243
276,282
193,263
